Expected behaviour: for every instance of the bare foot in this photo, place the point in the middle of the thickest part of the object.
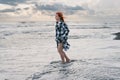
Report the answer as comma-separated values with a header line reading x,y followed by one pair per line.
x,y
68,60
63,62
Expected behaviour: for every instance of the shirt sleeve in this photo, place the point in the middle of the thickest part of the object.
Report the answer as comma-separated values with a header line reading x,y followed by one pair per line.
x,y
63,31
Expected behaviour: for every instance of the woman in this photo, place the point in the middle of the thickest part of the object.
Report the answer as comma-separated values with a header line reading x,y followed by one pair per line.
x,y
62,36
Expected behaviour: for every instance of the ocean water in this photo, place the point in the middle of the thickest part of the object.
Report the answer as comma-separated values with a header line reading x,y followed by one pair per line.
x,y
28,51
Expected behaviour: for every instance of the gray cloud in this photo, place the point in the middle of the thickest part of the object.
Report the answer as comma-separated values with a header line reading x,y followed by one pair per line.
x,y
26,8
50,9
91,12
18,9
12,2
7,10
13,10
46,9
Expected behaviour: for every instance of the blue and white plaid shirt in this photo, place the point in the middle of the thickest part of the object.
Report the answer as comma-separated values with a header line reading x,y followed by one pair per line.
x,y
62,32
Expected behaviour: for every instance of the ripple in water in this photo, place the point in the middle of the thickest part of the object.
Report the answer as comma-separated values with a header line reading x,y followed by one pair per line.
x,y
77,70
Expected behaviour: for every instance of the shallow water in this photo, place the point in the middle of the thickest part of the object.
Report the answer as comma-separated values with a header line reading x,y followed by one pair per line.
x,y
91,69
28,52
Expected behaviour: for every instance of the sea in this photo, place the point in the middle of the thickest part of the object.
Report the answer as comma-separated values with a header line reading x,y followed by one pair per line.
x,y
28,51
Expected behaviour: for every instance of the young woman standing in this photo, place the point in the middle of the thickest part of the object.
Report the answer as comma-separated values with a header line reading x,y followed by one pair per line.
x,y
62,32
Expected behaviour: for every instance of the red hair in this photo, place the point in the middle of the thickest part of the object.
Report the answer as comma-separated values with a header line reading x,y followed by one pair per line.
x,y
60,14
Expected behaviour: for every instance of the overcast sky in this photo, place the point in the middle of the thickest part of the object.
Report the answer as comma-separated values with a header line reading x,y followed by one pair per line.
x,y
44,9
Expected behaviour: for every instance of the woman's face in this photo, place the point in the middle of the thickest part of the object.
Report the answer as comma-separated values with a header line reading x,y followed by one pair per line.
x,y
57,17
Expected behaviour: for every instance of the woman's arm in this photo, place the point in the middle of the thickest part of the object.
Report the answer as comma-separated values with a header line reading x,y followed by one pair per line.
x,y
66,30
63,31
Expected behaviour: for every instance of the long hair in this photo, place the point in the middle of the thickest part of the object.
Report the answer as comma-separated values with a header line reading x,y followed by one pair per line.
x,y
60,14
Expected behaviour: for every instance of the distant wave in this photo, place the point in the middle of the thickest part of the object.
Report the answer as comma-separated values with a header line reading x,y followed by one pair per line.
x,y
46,29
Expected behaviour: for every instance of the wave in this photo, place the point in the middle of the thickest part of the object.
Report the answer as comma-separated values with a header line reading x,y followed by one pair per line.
x,y
93,69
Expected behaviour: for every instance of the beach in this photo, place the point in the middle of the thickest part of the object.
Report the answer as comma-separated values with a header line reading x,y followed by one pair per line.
x,y
28,51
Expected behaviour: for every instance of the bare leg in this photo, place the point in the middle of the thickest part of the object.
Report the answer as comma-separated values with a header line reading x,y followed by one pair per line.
x,y
62,53
66,57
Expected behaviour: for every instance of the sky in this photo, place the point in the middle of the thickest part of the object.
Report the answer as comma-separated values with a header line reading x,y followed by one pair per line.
x,y
45,9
